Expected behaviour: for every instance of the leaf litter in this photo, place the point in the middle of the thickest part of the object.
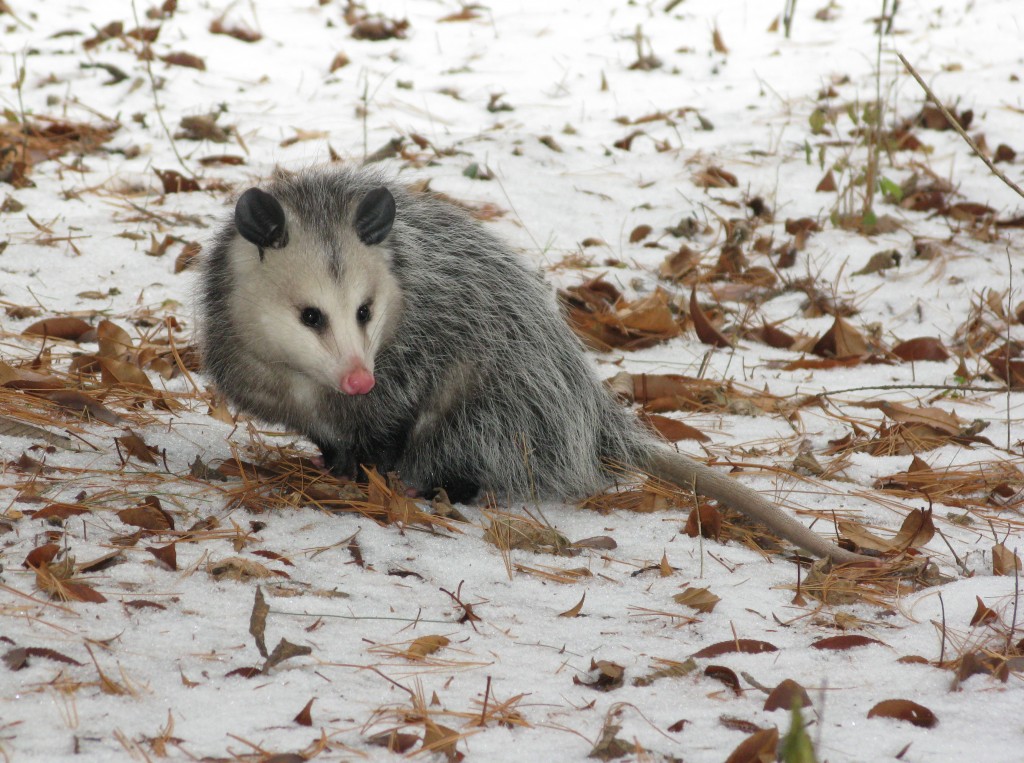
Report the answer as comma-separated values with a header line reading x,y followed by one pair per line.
x,y
728,330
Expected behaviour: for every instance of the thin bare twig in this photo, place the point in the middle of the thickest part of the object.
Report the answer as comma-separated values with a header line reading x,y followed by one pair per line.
x,y
956,126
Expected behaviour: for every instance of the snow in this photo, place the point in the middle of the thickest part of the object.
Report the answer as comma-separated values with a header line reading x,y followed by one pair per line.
x,y
547,60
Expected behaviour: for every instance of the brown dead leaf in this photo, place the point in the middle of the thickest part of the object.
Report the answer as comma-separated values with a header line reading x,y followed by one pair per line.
x,y
921,348
846,641
842,340
575,610
917,529
983,614
773,336
60,511
1008,364
714,177
783,696
679,264
639,233
149,515
41,555
136,447
704,520
181,58
425,646
59,328
673,430
77,401
726,675
258,621
1004,561
759,747
607,676
700,599
827,184
305,716
904,710
166,555
218,26
742,645
174,182
285,650
707,333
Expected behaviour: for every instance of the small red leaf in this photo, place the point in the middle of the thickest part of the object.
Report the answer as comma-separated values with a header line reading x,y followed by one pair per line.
x,y
60,328
41,555
784,694
744,645
707,333
904,710
726,675
845,642
921,348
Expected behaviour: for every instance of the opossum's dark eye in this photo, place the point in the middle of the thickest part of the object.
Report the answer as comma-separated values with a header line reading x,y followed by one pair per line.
x,y
364,313
313,317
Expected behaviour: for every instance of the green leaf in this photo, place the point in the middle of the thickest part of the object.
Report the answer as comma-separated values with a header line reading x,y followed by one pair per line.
x,y
817,120
891,190
796,746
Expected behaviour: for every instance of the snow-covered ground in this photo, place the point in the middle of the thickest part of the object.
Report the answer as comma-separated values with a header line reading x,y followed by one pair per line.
x,y
523,110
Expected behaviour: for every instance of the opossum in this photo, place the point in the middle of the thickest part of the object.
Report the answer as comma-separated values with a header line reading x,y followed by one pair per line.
x,y
393,330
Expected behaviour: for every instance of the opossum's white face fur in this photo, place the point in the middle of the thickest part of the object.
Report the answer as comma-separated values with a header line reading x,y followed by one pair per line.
x,y
317,306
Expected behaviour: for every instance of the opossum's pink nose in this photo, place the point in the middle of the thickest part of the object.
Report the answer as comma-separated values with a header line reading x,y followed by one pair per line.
x,y
358,382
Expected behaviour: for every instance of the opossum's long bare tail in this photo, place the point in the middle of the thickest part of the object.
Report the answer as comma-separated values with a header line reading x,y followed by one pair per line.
x,y
687,473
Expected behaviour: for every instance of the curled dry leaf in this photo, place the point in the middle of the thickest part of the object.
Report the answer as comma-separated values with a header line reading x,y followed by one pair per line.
x,y
743,645
983,614
705,520
575,611
726,675
757,748
846,641
785,694
607,676
700,599
639,233
1004,561
258,621
187,60
921,348
60,511
424,646
136,447
41,555
673,430
174,182
166,555
77,401
842,340
679,264
59,328
237,568
707,333
394,741
305,716
904,710
285,650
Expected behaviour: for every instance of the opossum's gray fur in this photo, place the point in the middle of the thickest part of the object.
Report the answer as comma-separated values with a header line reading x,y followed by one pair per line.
x,y
481,373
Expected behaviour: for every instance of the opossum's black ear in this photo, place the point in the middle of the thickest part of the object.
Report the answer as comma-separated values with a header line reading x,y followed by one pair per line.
x,y
375,216
259,218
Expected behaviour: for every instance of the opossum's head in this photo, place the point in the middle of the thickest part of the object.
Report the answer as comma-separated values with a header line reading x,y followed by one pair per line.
x,y
319,294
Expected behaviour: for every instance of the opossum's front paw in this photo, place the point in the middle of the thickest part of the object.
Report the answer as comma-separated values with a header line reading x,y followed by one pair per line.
x,y
460,489
337,462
